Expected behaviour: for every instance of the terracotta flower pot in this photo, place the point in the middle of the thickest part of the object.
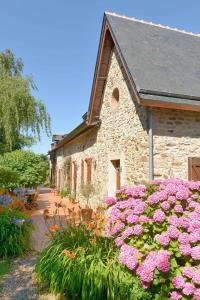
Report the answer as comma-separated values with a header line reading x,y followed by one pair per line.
x,y
86,214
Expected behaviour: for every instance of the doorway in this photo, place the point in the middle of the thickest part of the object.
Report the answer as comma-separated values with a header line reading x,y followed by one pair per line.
x,y
114,176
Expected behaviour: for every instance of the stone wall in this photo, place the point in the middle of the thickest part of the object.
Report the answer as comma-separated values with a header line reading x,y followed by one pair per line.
x,y
176,137
122,135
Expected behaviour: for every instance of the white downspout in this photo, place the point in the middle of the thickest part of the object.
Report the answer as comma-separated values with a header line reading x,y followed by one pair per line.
x,y
150,142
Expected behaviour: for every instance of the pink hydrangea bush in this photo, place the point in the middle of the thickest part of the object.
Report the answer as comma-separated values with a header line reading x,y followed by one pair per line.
x,y
157,230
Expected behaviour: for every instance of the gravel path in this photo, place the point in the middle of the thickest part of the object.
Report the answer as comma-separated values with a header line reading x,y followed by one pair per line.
x,y
20,284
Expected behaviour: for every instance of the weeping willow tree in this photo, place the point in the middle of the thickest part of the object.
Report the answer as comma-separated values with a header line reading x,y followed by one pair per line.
x,y
22,116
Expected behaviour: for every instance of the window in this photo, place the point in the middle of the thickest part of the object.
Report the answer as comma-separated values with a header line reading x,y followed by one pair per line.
x,y
115,99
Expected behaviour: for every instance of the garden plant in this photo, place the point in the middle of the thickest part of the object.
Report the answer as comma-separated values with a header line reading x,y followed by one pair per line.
x,y
15,228
81,264
157,231
31,169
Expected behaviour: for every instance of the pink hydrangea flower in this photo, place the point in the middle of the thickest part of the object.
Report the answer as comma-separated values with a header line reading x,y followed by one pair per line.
x,y
196,277
173,232
165,205
194,237
188,289
132,219
175,295
162,261
140,208
194,185
183,222
110,201
157,197
119,242
178,209
172,199
145,274
163,238
173,220
138,229
188,272
192,204
178,282
131,263
195,253
197,294
183,238
182,194
128,212
159,216
185,249
127,232
171,189
118,227
144,219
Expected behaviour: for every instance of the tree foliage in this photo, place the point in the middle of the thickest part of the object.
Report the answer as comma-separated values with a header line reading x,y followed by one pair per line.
x,y
9,179
31,168
22,116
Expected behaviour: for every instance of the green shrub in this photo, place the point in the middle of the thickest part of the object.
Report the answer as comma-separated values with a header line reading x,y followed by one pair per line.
x,y
15,229
83,266
31,168
9,178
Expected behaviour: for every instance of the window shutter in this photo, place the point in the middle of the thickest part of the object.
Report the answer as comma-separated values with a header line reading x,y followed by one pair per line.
x,y
194,168
71,176
89,170
82,172
75,176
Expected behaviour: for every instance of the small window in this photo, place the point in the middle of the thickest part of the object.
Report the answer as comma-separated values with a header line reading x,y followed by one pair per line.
x,y
115,99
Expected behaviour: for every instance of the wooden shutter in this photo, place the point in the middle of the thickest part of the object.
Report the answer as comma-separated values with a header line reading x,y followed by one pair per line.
x,y
89,170
118,178
194,168
75,176
82,172
71,180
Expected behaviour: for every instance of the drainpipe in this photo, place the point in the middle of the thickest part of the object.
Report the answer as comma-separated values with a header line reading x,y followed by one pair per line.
x,y
150,141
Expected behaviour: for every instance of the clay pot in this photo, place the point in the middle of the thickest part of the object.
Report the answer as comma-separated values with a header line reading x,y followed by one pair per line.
x,y
86,214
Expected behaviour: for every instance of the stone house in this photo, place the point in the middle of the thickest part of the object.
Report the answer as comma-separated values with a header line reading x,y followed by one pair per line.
x,y
143,120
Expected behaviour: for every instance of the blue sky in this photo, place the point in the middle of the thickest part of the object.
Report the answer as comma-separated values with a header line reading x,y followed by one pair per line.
x,y
58,42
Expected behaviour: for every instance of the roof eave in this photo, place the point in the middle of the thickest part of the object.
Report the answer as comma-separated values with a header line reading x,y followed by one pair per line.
x,y
169,102
79,130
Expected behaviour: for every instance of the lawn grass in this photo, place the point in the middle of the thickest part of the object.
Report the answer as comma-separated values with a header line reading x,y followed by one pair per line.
x,y
5,267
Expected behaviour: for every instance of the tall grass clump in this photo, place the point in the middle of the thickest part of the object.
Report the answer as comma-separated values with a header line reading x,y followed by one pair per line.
x,y
82,265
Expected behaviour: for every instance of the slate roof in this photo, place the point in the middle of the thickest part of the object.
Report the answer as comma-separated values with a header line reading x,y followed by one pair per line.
x,y
162,61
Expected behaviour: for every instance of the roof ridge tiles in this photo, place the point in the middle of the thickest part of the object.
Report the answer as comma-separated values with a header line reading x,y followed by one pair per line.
x,y
152,24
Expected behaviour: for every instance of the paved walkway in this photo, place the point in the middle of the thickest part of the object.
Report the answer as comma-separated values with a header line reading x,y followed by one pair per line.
x,y
19,284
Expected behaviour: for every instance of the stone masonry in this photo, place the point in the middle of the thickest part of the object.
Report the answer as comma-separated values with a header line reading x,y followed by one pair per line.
x,y
176,137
